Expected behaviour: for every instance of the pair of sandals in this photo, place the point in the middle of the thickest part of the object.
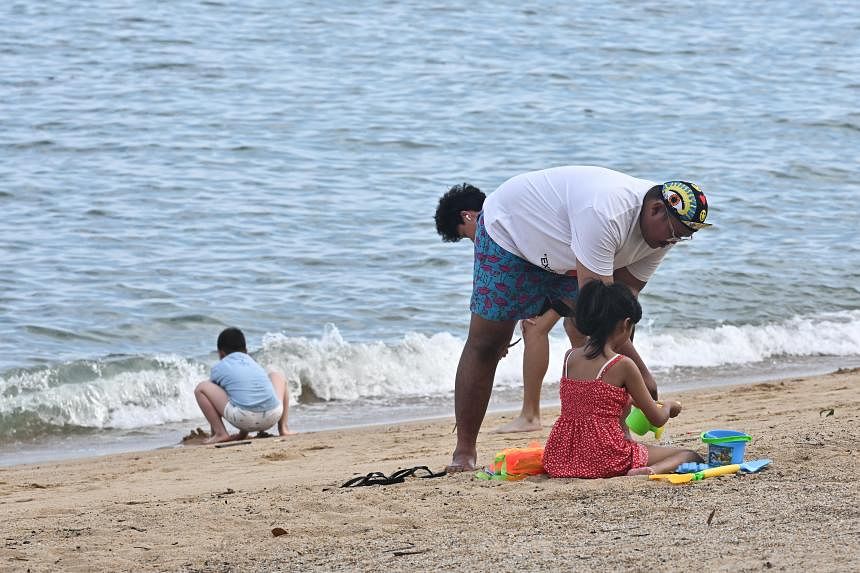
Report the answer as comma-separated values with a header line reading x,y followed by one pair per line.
x,y
379,478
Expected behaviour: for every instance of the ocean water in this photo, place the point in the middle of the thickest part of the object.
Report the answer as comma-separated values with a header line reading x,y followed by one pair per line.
x,y
168,169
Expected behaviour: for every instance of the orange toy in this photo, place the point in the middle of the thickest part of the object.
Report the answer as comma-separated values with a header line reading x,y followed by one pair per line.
x,y
518,463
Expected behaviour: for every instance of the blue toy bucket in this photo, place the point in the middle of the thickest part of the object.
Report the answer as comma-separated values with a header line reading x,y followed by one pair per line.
x,y
725,446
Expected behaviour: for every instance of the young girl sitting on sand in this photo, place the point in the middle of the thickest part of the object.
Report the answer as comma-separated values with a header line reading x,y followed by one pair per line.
x,y
590,439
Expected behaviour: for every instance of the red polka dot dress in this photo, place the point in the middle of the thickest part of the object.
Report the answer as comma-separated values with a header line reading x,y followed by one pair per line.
x,y
587,440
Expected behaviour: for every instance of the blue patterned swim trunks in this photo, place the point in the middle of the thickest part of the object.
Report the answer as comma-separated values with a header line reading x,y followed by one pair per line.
x,y
506,287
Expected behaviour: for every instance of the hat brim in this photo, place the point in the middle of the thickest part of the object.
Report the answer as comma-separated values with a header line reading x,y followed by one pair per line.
x,y
694,225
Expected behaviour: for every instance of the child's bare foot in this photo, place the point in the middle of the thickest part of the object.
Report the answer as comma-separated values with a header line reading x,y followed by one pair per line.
x,y
285,431
217,439
646,471
518,424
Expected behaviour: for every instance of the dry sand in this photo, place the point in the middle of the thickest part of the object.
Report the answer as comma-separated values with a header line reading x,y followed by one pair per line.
x,y
207,509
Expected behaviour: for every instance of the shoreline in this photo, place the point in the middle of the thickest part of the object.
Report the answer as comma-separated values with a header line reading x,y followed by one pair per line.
x,y
506,400
210,509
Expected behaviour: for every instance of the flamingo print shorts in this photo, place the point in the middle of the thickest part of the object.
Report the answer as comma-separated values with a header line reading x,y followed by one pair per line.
x,y
506,287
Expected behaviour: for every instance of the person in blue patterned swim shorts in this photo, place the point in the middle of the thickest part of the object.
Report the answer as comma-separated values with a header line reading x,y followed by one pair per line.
x,y
506,287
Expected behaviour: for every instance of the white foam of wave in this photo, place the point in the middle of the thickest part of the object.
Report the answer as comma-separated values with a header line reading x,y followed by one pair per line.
x,y
831,334
420,365
162,390
335,369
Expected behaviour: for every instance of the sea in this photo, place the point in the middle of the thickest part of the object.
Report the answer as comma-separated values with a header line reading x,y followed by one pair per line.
x,y
168,169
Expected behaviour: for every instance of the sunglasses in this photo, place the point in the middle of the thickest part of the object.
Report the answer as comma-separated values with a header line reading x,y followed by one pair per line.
x,y
675,238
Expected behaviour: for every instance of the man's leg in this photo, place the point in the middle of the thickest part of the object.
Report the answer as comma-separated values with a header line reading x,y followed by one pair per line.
x,y
535,365
474,383
212,400
577,339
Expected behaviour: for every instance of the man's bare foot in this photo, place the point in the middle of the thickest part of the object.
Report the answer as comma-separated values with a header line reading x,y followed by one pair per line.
x,y
646,471
453,468
461,463
217,439
518,424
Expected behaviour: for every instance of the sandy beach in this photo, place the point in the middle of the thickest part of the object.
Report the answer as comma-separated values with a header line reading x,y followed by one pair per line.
x,y
200,508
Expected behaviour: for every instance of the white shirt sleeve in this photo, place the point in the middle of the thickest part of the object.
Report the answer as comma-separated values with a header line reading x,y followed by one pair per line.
x,y
595,239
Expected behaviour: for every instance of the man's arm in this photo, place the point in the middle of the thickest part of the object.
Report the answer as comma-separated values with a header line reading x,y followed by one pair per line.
x,y
627,349
622,275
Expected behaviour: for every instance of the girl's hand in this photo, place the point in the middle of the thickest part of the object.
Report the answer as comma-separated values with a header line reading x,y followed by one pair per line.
x,y
674,408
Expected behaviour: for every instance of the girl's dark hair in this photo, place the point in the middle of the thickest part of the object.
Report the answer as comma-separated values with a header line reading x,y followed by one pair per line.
x,y
599,309
463,197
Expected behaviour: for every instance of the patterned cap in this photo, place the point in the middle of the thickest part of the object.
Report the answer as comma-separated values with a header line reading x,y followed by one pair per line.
x,y
687,202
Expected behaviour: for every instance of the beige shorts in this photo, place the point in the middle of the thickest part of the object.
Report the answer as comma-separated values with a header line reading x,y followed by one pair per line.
x,y
248,421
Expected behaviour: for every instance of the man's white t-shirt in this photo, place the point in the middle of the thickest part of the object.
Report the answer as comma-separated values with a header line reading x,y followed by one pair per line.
x,y
554,217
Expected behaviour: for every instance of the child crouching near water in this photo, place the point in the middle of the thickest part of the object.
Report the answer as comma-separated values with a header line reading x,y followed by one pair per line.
x,y
589,439
241,391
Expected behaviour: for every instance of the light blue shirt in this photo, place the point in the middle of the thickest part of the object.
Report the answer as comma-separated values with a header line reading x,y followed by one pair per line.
x,y
246,383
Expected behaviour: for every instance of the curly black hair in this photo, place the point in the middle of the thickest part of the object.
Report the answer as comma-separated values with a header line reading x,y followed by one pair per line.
x,y
459,198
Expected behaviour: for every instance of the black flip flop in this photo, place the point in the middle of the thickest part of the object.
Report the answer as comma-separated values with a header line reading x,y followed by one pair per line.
x,y
373,478
416,472
379,478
